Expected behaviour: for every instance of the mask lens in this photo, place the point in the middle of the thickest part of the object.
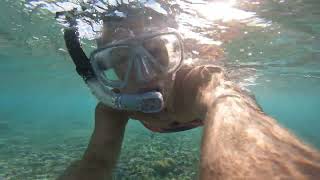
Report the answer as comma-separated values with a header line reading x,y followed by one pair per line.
x,y
112,64
166,51
111,75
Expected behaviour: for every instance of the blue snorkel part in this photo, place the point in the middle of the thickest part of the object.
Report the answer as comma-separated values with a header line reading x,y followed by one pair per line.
x,y
149,102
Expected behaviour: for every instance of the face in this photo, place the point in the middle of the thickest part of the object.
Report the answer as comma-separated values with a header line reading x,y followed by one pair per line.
x,y
162,82
157,48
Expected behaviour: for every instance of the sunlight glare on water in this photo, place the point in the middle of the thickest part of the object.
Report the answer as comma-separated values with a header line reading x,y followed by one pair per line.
x,y
268,47
223,11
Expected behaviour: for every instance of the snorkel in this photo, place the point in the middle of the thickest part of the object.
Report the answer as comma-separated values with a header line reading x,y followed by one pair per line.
x,y
148,102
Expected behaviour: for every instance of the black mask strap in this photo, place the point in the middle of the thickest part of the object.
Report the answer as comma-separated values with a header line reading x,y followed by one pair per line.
x,y
83,66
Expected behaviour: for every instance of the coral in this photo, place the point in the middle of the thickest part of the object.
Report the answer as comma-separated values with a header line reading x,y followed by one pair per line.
x,y
163,166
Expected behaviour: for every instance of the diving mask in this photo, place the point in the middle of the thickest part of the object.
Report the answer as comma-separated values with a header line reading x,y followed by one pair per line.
x,y
138,60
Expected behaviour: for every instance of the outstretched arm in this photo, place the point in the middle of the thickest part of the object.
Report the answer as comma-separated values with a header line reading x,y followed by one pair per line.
x,y
104,147
241,142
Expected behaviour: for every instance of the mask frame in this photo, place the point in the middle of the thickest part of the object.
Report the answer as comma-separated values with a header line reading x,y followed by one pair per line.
x,y
136,44
148,102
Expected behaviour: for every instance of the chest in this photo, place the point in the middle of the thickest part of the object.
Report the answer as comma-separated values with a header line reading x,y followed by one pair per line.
x,y
163,119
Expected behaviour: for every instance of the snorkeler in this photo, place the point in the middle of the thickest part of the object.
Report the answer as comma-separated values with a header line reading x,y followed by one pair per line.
x,y
141,75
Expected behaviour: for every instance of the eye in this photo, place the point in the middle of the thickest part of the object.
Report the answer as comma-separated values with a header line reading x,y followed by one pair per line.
x,y
157,48
118,66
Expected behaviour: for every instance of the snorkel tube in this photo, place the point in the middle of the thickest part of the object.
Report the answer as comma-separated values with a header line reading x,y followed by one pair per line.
x,y
149,102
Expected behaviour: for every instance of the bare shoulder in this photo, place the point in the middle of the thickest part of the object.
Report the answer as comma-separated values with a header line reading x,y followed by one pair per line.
x,y
192,76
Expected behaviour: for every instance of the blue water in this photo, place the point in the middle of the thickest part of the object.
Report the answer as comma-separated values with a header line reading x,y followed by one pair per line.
x,y
46,111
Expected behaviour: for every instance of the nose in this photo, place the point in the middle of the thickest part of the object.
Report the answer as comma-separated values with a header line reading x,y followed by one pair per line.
x,y
143,70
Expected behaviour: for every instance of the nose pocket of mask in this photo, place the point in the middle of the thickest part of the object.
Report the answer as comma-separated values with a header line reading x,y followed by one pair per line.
x,y
144,70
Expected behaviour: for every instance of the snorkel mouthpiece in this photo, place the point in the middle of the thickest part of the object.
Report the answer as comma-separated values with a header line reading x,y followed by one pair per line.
x,y
149,102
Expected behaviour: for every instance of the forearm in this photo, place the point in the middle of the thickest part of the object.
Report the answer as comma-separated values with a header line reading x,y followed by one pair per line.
x,y
103,150
239,142
97,162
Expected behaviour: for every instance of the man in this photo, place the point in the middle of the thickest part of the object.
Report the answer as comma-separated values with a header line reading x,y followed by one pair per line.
x,y
143,78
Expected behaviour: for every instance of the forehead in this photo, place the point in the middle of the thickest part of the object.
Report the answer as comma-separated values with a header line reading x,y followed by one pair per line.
x,y
123,28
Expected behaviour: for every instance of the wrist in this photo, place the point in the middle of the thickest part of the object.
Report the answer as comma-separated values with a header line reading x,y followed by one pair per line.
x,y
228,97
210,96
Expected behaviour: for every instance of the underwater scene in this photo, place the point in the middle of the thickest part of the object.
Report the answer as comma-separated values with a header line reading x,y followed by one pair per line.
x,y
268,47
